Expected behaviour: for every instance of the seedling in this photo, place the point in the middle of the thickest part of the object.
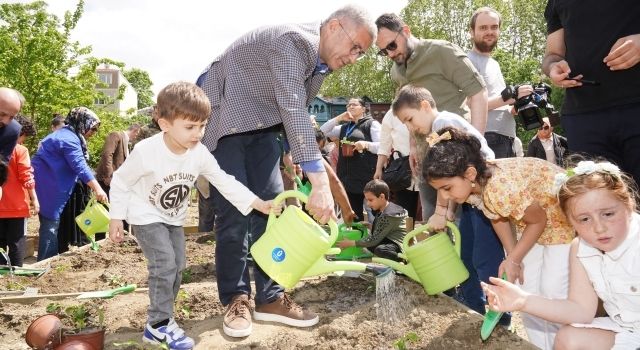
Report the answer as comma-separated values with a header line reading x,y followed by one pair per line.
x,y
211,242
116,281
181,303
187,275
78,317
61,268
401,344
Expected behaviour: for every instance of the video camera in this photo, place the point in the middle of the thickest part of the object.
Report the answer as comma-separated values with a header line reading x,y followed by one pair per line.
x,y
530,107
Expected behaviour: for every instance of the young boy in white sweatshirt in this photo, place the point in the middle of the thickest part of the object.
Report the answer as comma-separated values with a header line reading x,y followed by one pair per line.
x,y
151,191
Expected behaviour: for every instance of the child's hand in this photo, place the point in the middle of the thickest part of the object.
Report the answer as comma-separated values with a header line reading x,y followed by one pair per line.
x,y
437,222
116,230
35,207
346,243
366,224
513,271
265,206
503,296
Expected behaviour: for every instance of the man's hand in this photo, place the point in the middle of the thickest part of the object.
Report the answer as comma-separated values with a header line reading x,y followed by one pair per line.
x,y
116,230
625,53
320,204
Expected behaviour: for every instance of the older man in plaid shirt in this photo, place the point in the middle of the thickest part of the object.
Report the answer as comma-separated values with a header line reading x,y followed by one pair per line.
x,y
261,85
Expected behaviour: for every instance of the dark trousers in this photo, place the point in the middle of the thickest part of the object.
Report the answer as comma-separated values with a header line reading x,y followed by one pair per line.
x,y
387,249
356,200
501,145
613,133
12,237
481,253
408,200
253,158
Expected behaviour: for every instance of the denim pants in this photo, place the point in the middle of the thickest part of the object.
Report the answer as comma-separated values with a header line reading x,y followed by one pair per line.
x,y
164,247
481,253
253,158
501,145
48,241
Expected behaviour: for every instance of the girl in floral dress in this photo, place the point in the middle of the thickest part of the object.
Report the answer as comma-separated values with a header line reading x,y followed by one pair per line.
x,y
510,189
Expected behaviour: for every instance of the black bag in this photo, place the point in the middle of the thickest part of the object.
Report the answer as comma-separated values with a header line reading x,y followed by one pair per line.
x,y
397,174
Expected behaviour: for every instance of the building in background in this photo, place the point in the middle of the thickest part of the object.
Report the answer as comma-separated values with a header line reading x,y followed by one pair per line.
x,y
325,108
112,85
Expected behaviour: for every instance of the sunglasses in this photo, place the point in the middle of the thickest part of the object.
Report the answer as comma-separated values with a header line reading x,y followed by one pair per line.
x,y
392,46
545,127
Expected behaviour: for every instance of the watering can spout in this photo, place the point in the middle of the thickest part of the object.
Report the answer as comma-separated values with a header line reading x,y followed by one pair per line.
x,y
323,266
406,269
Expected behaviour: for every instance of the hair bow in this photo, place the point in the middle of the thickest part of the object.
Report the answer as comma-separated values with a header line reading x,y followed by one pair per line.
x,y
434,138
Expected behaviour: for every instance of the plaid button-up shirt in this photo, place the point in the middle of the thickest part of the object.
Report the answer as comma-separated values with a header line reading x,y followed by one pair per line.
x,y
266,78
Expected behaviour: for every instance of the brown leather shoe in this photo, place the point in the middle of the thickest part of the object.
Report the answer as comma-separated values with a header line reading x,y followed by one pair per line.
x,y
237,319
284,310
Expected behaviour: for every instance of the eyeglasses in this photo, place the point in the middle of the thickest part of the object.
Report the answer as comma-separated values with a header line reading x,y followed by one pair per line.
x,y
545,127
354,105
356,50
392,46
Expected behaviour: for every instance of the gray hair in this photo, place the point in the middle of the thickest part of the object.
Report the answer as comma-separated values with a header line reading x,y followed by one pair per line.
x,y
358,16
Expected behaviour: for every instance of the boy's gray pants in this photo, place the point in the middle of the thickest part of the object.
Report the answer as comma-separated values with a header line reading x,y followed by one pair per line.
x,y
164,247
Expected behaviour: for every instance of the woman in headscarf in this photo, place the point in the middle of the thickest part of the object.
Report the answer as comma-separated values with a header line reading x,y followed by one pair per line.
x,y
57,165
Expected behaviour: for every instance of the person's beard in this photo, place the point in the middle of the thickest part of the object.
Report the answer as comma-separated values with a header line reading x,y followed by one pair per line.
x,y
484,47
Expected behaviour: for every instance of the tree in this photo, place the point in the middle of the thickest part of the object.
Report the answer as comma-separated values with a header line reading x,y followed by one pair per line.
x,y
142,83
40,60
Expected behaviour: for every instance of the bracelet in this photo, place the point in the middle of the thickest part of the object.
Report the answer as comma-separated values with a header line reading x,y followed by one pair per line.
x,y
513,262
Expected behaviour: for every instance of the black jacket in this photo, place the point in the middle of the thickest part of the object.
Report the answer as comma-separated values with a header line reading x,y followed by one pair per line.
x,y
535,148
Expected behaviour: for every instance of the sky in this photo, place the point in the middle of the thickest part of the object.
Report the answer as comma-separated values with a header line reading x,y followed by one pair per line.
x,y
175,40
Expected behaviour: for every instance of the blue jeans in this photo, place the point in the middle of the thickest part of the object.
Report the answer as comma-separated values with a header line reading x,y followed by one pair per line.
x,y
48,241
481,253
253,158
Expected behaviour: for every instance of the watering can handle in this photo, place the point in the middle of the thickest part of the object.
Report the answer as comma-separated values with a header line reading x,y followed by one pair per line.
x,y
93,201
425,227
302,197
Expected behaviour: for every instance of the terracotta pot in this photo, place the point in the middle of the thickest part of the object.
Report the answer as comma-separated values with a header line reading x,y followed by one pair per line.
x,y
347,150
93,336
75,345
44,333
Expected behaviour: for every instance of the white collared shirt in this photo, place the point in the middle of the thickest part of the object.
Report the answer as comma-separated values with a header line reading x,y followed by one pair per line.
x,y
615,276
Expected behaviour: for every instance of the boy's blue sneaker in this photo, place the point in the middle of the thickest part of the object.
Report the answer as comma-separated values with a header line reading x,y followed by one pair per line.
x,y
170,334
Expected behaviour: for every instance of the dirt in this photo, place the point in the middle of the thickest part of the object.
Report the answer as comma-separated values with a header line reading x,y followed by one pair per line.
x,y
346,305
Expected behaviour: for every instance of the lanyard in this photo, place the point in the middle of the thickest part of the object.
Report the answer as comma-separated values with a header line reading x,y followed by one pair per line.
x,y
350,128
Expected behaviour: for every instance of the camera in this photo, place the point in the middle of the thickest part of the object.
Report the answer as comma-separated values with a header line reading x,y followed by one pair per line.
x,y
530,108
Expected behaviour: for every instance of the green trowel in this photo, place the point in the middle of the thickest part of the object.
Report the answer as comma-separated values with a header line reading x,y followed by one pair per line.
x,y
491,319
106,294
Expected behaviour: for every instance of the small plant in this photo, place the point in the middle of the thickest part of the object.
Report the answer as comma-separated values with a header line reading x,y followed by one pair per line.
x,y
401,344
61,268
116,281
211,242
187,276
77,318
181,303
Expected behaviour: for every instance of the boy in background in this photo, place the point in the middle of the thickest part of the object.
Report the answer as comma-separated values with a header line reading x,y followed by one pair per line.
x,y
151,191
389,226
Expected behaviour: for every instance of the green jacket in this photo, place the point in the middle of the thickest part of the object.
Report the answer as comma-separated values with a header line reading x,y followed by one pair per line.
x,y
390,223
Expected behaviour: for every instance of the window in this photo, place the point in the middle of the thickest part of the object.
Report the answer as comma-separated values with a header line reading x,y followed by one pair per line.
x,y
322,109
99,101
105,78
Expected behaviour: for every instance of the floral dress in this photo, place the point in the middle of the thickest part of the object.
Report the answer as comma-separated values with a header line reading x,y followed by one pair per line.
x,y
515,184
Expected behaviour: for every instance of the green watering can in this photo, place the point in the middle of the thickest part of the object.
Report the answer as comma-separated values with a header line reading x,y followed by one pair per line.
x,y
306,188
434,262
95,218
294,246
356,232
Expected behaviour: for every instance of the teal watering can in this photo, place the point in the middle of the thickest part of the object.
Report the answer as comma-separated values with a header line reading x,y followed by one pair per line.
x,y
294,246
434,262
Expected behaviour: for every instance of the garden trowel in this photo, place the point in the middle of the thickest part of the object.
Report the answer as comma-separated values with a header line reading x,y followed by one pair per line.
x,y
106,294
491,319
